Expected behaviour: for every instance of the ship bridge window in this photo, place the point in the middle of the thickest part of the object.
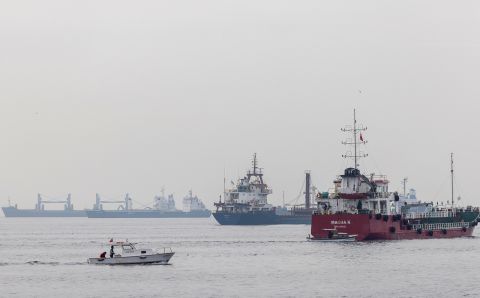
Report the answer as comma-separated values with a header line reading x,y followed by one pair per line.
x,y
352,172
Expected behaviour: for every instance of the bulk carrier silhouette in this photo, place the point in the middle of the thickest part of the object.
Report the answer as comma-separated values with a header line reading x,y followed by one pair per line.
x,y
163,207
40,211
363,208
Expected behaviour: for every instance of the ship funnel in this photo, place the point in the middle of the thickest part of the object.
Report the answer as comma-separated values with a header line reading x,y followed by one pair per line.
x,y
97,202
307,189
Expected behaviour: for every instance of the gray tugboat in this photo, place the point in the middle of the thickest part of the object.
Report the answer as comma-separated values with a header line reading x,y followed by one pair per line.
x,y
40,211
246,203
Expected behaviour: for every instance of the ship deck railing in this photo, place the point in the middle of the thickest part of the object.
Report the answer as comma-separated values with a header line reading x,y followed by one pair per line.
x,y
418,215
441,226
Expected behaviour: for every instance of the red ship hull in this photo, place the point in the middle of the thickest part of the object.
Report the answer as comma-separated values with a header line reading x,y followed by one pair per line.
x,y
367,227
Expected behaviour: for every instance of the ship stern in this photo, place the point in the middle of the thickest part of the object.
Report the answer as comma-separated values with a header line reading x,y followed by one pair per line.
x,y
352,224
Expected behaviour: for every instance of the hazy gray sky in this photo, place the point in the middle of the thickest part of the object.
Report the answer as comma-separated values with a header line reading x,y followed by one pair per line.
x,y
129,96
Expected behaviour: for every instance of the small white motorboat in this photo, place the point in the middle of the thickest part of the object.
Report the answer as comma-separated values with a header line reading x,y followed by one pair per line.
x,y
334,236
128,254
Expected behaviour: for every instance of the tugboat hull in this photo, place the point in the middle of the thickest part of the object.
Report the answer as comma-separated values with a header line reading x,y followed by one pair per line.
x,y
389,227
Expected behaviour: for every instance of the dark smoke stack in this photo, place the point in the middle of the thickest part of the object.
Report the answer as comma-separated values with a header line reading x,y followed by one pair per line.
x,y
307,189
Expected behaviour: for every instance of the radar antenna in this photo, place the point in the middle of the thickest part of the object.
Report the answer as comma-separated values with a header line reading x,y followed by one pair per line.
x,y
356,130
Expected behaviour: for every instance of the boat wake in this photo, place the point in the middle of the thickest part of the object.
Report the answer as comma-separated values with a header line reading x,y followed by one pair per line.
x,y
50,263
42,263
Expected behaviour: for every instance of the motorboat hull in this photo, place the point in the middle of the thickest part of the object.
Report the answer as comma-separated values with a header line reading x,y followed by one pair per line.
x,y
161,258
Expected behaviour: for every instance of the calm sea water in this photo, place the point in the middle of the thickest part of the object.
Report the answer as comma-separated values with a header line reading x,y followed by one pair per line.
x,y
46,257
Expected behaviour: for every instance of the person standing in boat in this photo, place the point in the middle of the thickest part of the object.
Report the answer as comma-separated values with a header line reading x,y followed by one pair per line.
x,y
112,253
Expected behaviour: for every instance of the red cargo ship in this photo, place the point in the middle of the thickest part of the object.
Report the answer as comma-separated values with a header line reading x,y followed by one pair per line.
x,y
363,207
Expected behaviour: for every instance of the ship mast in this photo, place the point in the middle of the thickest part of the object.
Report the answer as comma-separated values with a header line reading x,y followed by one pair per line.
x,y
257,172
404,183
355,135
254,164
451,172
307,189
356,141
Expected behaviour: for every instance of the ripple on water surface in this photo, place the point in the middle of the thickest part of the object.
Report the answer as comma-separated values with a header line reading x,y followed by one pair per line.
x,y
47,257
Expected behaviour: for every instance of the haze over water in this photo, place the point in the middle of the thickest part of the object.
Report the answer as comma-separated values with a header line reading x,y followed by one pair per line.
x,y
115,96
47,257
120,96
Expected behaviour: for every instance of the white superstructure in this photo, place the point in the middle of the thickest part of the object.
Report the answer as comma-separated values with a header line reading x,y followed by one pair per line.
x,y
250,192
164,203
192,203
355,193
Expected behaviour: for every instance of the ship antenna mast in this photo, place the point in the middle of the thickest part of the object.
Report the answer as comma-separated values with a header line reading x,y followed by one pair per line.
x,y
224,187
356,130
404,183
451,171
257,172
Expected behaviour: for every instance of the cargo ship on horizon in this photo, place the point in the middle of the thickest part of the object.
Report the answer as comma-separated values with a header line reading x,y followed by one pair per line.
x,y
363,208
40,211
163,207
246,203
